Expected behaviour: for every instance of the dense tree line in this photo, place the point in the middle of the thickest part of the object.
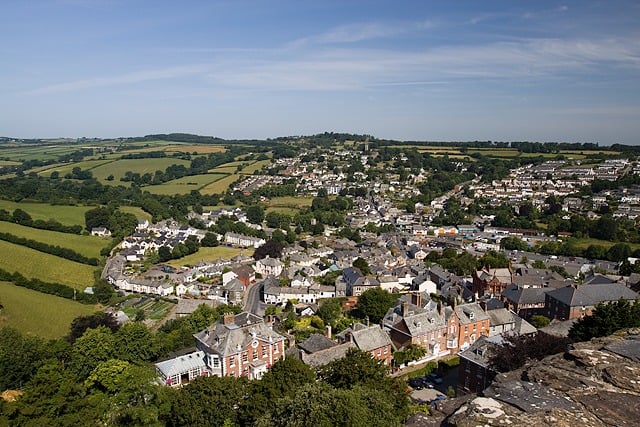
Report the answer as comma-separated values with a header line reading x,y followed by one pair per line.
x,y
61,252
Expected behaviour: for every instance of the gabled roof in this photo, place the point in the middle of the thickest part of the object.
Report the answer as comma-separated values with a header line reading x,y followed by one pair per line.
x,y
519,295
590,295
470,313
328,355
233,337
370,338
315,343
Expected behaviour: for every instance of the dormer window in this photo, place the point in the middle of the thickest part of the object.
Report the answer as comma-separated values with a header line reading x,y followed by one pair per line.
x,y
471,315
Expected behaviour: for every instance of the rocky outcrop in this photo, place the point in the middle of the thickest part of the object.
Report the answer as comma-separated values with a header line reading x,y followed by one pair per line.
x,y
595,383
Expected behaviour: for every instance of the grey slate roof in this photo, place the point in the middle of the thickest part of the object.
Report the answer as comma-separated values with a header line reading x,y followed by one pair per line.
x,y
328,355
590,295
315,343
519,295
470,313
230,339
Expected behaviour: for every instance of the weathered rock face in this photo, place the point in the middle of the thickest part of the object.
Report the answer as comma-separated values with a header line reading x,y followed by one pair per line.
x,y
596,383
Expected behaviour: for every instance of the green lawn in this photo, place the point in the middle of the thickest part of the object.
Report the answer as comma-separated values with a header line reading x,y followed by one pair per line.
x,y
35,313
88,246
67,215
185,185
8,163
48,268
209,254
220,185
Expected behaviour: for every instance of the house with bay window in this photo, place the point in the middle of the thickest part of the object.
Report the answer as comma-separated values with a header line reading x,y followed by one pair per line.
x,y
240,345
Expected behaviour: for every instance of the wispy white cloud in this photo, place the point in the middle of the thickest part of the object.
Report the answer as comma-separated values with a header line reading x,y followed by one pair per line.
x,y
123,79
358,32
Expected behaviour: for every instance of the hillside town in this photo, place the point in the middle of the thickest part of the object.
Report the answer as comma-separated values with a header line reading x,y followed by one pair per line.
x,y
413,252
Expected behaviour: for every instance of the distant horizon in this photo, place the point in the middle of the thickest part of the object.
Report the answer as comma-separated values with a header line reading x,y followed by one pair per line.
x,y
411,70
309,135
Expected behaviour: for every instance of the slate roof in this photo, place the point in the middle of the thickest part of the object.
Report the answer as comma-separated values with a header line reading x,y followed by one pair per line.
x,y
230,339
351,275
590,295
470,313
315,343
480,351
370,338
519,295
328,355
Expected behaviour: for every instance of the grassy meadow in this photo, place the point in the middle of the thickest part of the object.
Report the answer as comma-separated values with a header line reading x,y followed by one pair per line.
x,y
220,185
185,185
67,215
88,246
35,313
48,268
209,254
118,168
68,167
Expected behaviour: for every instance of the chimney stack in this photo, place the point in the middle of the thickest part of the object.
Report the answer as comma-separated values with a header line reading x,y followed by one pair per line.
x,y
416,299
405,308
228,318
328,331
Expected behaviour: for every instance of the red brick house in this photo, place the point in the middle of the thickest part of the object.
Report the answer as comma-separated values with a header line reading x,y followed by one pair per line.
x,y
240,345
577,301
491,281
371,339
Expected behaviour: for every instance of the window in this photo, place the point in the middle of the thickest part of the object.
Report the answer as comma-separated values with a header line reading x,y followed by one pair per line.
x,y
245,357
215,362
255,354
232,361
264,351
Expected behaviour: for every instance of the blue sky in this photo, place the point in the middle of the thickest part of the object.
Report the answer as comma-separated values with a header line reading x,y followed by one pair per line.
x,y
408,70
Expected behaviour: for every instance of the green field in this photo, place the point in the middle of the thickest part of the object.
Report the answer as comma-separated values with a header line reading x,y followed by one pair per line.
x,y
68,167
256,166
8,163
220,185
119,167
48,268
88,246
138,212
209,254
290,202
586,242
47,152
38,314
185,185
67,215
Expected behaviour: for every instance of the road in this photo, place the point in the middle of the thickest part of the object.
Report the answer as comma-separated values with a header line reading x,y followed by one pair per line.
x,y
252,301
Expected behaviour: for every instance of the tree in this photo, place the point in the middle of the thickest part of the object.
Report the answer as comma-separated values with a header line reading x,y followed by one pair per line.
x,y
22,217
20,357
164,253
135,343
255,214
271,248
513,243
606,319
94,346
539,264
209,240
208,401
374,303
619,252
362,265
540,321
518,349
97,217
356,368
81,323
330,311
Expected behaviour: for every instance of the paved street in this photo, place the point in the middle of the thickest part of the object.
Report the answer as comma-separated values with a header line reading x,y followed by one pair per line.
x,y
252,302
